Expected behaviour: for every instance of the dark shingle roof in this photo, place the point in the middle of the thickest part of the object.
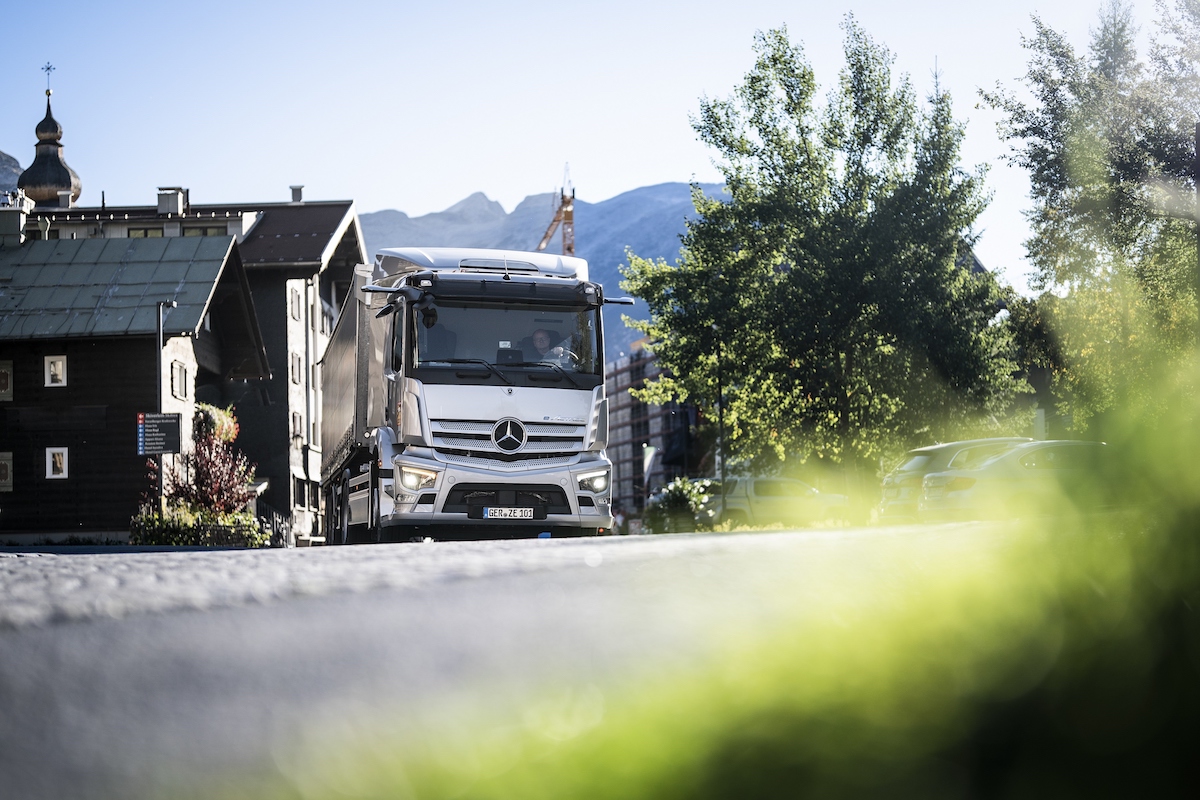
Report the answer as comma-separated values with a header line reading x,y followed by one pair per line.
x,y
296,234
107,287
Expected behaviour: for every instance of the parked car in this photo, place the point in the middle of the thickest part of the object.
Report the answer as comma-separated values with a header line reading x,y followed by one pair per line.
x,y
1032,479
902,486
767,501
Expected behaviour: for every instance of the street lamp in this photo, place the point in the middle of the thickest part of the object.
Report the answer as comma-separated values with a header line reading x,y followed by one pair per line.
x,y
161,305
159,320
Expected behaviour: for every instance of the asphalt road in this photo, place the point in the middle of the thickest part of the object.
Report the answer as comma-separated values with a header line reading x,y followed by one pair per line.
x,y
132,674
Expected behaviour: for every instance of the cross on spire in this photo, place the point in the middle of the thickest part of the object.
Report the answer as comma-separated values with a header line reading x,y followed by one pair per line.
x,y
48,69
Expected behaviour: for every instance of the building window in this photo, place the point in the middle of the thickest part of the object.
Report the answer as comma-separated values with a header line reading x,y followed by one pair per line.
x,y
56,463
301,492
6,380
56,370
179,380
295,304
297,368
637,370
206,230
6,478
297,424
145,233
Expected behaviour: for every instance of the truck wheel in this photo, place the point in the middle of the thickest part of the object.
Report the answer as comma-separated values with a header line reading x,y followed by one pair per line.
x,y
343,507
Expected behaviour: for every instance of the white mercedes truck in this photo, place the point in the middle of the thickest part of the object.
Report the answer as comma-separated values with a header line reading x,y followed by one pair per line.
x,y
463,398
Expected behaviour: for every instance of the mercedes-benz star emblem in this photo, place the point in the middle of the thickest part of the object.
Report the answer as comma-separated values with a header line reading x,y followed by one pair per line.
x,y
509,435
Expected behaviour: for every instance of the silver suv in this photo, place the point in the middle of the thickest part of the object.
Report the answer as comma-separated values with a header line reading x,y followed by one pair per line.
x,y
902,486
766,501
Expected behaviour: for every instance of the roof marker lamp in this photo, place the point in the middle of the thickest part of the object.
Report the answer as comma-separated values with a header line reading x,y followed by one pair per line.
x,y
414,479
594,481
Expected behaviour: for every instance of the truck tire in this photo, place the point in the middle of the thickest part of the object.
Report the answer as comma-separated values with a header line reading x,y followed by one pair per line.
x,y
344,508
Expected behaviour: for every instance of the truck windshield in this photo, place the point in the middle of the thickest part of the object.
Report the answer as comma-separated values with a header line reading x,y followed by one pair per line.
x,y
510,337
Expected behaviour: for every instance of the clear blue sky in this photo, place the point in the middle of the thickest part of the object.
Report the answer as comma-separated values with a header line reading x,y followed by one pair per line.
x,y
413,106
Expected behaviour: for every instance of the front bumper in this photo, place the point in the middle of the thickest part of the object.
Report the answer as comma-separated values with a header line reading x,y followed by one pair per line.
x,y
457,494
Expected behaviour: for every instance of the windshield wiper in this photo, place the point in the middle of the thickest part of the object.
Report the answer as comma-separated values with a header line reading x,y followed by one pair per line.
x,y
550,364
483,361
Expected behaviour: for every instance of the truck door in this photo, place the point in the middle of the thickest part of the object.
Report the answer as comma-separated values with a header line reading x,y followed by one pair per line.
x,y
394,370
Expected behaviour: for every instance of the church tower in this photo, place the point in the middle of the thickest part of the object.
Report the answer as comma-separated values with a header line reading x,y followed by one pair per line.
x,y
49,174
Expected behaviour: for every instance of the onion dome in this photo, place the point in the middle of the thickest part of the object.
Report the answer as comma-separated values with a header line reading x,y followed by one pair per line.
x,y
49,174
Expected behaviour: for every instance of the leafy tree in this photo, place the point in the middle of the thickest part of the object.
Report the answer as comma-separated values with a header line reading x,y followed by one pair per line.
x,y
830,292
1108,144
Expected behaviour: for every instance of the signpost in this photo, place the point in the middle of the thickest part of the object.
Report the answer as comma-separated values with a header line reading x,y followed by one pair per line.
x,y
157,433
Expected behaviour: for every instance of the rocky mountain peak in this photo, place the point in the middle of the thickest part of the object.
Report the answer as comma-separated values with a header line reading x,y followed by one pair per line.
x,y
10,170
476,208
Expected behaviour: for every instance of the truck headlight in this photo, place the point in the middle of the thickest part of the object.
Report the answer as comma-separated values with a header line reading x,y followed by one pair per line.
x,y
594,481
414,479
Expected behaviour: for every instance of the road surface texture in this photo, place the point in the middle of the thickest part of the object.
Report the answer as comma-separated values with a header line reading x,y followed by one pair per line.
x,y
135,674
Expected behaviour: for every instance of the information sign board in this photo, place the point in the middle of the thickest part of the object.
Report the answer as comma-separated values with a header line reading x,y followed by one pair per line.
x,y
157,433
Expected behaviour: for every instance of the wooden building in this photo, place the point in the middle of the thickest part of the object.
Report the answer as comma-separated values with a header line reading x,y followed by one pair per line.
x,y
299,258
79,361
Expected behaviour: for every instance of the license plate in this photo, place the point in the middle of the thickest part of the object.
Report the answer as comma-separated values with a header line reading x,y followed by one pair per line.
x,y
508,513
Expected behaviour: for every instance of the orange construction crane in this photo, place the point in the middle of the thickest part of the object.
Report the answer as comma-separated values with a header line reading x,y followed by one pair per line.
x,y
565,214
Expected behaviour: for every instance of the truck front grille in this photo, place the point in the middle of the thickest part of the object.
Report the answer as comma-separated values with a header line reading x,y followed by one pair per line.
x,y
472,439
501,462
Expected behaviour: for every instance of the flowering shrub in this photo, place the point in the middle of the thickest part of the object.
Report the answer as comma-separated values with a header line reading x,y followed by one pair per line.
x,y
216,477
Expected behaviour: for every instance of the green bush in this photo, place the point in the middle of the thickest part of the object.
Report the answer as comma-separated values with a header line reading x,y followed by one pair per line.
x,y
182,527
674,509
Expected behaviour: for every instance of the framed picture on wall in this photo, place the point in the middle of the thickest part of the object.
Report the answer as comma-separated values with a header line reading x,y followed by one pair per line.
x,y
56,463
56,370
